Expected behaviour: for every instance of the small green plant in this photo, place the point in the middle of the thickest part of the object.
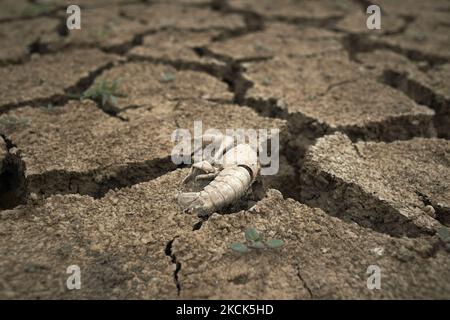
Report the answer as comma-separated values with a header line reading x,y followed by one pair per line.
x,y
258,46
10,122
167,77
104,92
255,240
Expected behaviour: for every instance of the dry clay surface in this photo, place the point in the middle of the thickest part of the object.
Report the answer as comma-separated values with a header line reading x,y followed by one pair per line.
x,y
88,180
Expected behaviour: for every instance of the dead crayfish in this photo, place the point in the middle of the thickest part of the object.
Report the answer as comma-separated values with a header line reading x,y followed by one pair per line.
x,y
232,170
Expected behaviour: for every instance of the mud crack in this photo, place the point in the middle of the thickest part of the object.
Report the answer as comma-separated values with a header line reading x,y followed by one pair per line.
x,y
253,21
441,214
12,177
70,93
359,43
305,284
98,182
169,253
422,95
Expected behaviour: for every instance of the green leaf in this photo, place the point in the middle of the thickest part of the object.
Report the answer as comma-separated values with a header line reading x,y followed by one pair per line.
x,y
274,243
239,247
103,92
252,235
113,101
104,99
167,77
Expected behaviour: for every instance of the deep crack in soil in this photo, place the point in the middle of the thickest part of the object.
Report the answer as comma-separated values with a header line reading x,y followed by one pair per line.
x,y
177,264
305,184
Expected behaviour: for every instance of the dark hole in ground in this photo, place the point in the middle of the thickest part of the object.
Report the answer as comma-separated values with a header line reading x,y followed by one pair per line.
x,y
12,181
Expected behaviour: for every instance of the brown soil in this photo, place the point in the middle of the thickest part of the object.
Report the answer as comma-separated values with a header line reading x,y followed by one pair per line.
x,y
364,118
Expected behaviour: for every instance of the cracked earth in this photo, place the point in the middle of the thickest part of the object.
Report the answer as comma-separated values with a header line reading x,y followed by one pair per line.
x,y
364,173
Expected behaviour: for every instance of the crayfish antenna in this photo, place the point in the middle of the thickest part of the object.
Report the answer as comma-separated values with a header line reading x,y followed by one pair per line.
x,y
189,176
